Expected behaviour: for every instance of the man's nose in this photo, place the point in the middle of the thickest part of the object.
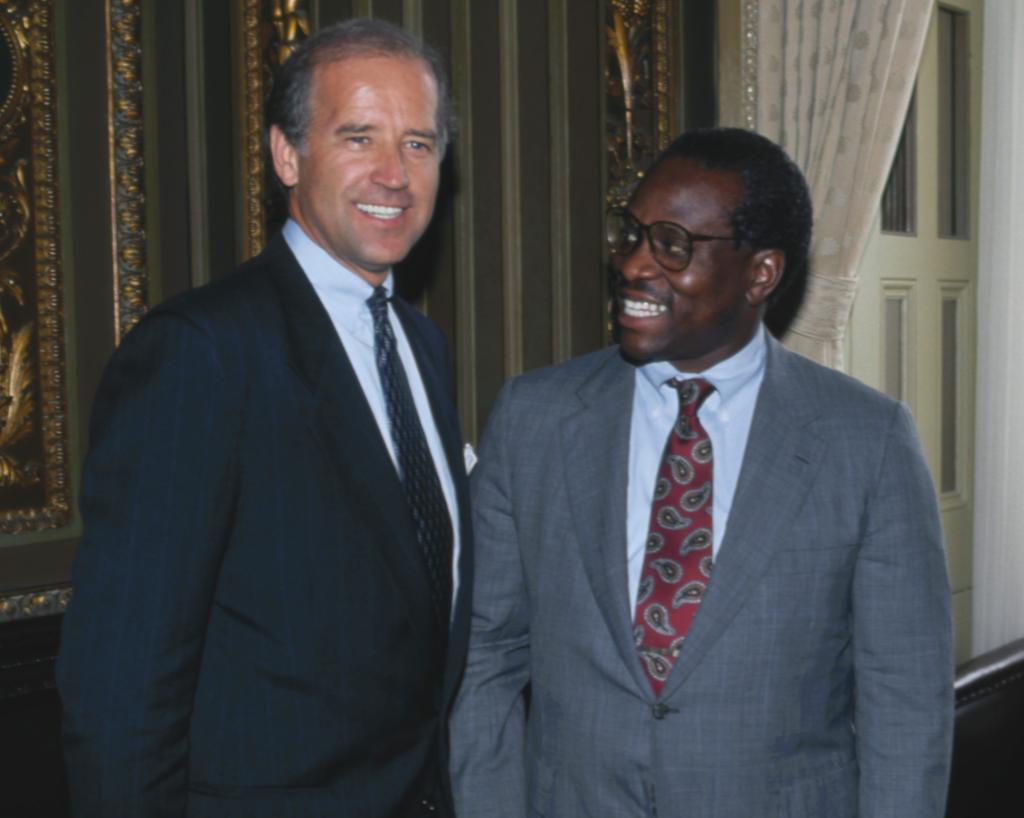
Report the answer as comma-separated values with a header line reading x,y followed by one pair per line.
x,y
638,263
389,170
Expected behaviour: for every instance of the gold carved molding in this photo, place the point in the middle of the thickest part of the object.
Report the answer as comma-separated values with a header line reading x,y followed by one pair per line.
x,y
639,90
31,604
269,31
748,63
127,163
252,129
33,393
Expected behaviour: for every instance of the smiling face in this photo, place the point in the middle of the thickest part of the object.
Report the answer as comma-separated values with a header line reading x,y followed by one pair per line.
x,y
363,184
701,315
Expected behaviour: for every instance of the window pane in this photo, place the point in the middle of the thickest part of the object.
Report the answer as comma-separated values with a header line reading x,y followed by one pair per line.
x,y
894,347
953,124
950,332
899,199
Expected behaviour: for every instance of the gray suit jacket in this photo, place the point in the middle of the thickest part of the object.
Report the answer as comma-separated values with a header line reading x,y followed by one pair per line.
x,y
816,679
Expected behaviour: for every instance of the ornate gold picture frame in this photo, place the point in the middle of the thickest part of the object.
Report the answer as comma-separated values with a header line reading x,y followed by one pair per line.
x,y
640,91
34,491
127,164
268,32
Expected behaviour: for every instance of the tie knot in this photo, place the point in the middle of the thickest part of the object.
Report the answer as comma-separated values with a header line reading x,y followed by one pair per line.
x,y
378,303
692,393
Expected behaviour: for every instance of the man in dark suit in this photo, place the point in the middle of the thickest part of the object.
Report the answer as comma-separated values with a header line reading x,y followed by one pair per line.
x,y
718,565
272,589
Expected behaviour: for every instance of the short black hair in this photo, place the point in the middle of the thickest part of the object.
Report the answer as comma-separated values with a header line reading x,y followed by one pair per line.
x,y
775,212
288,107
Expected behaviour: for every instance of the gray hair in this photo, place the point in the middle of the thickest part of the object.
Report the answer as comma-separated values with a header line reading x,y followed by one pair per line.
x,y
289,105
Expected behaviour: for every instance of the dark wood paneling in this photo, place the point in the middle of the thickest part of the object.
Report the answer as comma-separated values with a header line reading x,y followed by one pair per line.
x,y
32,780
326,12
438,300
586,133
220,138
36,564
88,263
167,155
484,77
698,81
535,184
390,10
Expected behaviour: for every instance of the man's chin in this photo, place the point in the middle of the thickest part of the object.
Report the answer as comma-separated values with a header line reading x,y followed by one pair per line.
x,y
634,354
640,354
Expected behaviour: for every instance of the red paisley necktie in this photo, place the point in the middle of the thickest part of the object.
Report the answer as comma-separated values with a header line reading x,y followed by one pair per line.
x,y
677,562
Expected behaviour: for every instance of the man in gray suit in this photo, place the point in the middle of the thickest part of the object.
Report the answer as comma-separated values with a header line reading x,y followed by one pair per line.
x,y
716,566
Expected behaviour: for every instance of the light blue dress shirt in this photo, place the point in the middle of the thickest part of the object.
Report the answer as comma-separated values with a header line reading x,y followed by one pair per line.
x,y
725,414
344,295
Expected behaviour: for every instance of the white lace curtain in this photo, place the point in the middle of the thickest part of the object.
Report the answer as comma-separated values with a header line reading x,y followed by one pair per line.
x,y
834,81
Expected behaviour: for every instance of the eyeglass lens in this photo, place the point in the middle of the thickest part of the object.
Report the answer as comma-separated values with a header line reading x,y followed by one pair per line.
x,y
670,243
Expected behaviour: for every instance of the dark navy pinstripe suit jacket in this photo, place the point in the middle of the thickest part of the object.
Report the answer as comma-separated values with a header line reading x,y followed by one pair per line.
x,y
251,632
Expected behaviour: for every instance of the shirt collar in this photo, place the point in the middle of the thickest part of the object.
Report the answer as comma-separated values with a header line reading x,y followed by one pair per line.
x,y
334,283
727,376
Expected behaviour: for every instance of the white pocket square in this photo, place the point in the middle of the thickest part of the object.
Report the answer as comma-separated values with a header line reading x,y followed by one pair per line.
x,y
469,456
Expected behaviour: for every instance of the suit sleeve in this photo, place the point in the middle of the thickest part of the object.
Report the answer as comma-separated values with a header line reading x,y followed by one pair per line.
x,y
488,720
156,496
902,638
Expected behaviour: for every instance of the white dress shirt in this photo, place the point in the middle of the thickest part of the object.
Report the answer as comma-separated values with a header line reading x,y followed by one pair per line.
x,y
344,295
725,415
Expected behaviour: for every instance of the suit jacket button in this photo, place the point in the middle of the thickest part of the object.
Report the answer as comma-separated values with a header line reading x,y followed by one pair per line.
x,y
428,805
660,710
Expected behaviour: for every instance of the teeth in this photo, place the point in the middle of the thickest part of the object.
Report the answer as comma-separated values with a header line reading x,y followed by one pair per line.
x,y
642,309
380,211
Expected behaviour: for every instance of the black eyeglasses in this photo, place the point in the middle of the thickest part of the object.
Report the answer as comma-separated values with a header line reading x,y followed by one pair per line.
x,y
671,244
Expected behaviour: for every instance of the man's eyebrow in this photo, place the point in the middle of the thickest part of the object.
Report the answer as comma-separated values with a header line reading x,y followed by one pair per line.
x,y
353,127
347,128
431,135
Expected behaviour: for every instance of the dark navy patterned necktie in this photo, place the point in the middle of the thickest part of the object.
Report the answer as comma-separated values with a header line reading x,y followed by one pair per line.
x,y
418,473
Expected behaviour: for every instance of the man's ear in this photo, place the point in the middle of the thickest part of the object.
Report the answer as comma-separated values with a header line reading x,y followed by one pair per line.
x,y
285,156
766,268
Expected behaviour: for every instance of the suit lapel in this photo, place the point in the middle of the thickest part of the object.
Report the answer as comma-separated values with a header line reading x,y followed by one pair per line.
x,y
779,466
343,420
596,457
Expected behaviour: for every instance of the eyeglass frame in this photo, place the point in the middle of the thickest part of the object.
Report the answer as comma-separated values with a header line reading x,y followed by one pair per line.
x,y
645,230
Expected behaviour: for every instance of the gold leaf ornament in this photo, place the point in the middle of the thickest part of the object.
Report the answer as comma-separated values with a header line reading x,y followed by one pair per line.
x,y
14,209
